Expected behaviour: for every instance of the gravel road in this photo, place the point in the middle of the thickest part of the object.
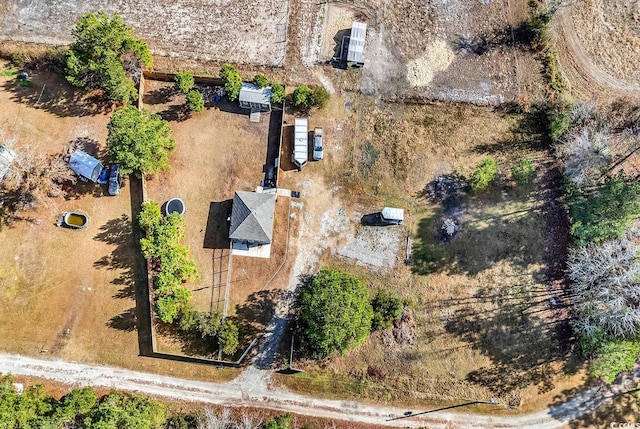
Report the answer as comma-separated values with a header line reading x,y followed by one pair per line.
x,y
237,394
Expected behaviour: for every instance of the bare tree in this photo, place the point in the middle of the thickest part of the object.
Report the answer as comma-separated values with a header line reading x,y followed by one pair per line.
x,y
583,114
587,154
604,279
247,422
212,420
35,177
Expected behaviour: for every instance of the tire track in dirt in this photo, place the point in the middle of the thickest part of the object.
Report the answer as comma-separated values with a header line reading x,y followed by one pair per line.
x,y
584,66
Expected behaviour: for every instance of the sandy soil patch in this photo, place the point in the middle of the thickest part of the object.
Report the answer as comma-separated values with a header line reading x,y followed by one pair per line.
x,y
237,31
437,57
376,247
609,31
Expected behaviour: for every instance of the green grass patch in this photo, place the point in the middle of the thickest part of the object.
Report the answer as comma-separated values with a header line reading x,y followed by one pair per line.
x,y
9,72
613,357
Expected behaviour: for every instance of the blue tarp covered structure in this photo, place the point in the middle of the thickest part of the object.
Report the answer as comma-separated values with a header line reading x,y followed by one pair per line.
x,y
85,166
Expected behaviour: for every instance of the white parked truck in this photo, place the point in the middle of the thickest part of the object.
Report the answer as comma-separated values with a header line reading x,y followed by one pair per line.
x,y
392,216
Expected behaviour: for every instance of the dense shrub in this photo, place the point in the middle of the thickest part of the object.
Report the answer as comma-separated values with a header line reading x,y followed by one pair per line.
x,y
139,141
305,96
559,123
195,101
319,96
613,357
605,212
231,80
33,408
523,172
277,93
171,263
260,80
184,81
484,174
301,96
106,55
387,308
283,421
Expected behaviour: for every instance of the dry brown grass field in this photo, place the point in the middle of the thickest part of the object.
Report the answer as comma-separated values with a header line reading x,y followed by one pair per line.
x,y
482,323
71,294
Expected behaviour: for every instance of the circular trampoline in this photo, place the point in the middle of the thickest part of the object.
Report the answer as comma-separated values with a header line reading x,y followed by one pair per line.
x,y
175,205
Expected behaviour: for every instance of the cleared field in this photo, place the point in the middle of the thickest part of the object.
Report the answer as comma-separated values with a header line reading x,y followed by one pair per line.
x,y
64,293
219,152
445,50
489,314
252,32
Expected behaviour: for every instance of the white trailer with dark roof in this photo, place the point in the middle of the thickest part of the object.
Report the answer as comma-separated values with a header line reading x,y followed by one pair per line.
x,y
300,154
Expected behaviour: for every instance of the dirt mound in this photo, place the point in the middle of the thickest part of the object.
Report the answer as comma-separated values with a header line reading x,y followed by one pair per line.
x,y
437,57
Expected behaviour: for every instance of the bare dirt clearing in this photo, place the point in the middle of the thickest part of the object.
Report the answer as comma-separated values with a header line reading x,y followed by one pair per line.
x,y
416,49
71,293
243,31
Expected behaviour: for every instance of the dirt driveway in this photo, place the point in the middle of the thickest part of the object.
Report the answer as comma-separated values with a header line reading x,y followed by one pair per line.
x,y
240,31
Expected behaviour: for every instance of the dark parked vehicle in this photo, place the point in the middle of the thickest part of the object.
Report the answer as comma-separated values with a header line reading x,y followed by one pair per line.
x,y
115,180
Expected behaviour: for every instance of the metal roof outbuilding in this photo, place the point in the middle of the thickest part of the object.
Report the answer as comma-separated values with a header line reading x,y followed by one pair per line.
x,y
356,42
251,97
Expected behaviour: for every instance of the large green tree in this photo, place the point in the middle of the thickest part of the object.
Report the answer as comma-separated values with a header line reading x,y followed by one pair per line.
x,y
335,312
106,54
139,141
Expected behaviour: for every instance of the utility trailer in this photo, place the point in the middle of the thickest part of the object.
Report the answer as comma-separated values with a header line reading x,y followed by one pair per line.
x,y
300,154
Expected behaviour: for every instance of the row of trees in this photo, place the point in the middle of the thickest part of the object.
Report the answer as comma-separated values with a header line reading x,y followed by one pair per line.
x,y
84,408
603,265
34,408
172,267
107,55
336,312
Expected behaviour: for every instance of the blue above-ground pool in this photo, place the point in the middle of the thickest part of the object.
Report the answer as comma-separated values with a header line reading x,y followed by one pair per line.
x,y
175,205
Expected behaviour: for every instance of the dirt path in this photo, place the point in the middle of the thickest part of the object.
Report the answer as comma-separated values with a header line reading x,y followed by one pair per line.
x,y
236,395
582,64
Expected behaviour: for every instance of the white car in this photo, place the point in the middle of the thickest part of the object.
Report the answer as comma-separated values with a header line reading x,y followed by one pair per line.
x,y
318,149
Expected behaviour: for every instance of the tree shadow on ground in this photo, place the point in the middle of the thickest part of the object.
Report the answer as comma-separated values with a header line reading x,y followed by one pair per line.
x,y
258,309
175,113
520,328
482,238
216,234
592,411
530,132
161,95
48,91
126,260
126,321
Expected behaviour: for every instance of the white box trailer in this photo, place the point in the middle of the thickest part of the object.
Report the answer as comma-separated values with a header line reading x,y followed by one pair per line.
x,y
300,154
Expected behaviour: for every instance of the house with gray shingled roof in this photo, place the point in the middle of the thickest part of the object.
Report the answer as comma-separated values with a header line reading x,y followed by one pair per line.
x,y
252,219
